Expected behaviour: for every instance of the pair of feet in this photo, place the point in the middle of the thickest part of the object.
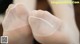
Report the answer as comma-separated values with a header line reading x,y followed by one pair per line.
x,y
20,25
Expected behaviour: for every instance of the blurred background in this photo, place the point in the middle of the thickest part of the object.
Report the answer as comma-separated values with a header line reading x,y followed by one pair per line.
x,y
41,4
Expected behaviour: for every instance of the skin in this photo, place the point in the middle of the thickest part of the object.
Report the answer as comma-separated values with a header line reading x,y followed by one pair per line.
x,y
17,28
30,4
62,36
68,17
53,34
22,32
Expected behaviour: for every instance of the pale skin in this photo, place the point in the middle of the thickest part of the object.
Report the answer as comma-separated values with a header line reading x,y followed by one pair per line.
x,y
24,32
67,14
